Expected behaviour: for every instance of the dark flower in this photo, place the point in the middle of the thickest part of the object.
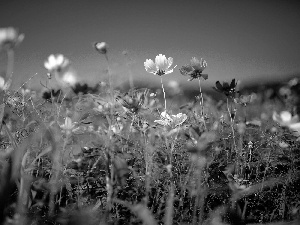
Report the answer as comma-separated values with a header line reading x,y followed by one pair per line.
x,y
226,88
55,94
101,47
194,69
133,100
84,89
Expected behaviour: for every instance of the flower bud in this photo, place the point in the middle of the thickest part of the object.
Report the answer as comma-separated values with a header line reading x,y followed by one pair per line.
x,y
101,47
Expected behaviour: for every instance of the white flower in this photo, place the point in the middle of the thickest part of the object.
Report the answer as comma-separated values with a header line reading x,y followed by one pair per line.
x,y
4,86
172,121
117,128
56,63
101,47
10,38
68,126
68,78
285,118
25,91
160,67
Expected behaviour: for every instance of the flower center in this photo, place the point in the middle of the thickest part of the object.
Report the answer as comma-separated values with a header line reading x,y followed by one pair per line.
x,y
160,72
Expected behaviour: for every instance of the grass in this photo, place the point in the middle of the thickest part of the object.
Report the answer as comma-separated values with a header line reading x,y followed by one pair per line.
x,y
99,158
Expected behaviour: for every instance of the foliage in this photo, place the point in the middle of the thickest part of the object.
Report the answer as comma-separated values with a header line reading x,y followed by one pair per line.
x,y
107,157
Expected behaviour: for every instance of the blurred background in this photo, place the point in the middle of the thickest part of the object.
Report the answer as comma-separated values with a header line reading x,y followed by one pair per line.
x,y
253,41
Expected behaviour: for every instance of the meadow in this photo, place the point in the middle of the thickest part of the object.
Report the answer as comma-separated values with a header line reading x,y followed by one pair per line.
x,y
101,155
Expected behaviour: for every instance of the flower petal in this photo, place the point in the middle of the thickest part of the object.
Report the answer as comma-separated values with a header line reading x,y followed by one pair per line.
x,y
233,84
59,59
150,66
170,62
169,70
161,62
184,70
162,122
205,76
219,86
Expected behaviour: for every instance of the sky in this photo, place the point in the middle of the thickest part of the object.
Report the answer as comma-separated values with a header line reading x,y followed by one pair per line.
x,y
253,41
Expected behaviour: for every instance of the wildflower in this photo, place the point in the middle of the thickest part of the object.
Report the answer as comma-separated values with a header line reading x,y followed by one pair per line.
x,y
101,47
160,67
285,118
85,88
4,86
56,63
117,128
132,101
254,122
285,91
293,82
67,78
283,144
171,120
10,38
68,126
25,91
243,100
194,69
102,105
52,93
226,88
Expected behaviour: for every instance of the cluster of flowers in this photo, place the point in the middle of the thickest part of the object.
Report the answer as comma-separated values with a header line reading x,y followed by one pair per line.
x,y
58,65
161,67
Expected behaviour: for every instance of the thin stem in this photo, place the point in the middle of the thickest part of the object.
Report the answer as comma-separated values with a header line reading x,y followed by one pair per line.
x,y
162,86
109,76
201,96
233,136
10,63
130,72
24,83
61,104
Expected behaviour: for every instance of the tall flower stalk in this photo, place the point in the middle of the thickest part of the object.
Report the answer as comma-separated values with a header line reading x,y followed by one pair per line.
x,y
160,67
9,39
229,90
194,70
163,89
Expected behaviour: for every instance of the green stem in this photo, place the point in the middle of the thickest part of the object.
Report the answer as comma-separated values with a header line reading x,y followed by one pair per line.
x,y
130,73
162,86
201,96
233,136
10,63
109,77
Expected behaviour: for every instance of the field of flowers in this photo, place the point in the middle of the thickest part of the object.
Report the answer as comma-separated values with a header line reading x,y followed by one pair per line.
x,y
99,155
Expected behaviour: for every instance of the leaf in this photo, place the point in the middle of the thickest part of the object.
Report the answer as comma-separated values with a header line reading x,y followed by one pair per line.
x,y
219,86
